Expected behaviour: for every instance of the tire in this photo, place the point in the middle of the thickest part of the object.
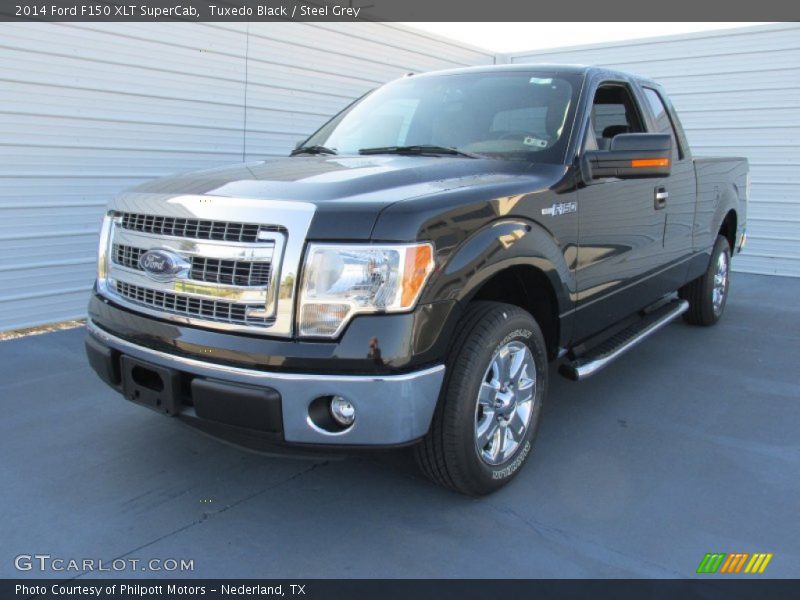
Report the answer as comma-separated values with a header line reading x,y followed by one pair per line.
x,y
708,294
493,339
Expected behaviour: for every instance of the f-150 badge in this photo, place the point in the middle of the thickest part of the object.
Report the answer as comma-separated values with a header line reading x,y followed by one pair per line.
x,y
561,208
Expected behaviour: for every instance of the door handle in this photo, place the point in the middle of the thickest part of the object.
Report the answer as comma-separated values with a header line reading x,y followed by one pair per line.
x,y
661,197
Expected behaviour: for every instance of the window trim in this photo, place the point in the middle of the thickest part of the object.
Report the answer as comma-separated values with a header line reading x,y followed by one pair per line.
x,y
678,145
634,97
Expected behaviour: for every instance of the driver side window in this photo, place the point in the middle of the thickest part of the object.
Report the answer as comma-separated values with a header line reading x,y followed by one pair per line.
x,y
613,112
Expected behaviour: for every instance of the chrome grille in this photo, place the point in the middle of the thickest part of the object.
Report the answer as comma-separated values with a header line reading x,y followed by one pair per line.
x,y
127,256
211,270
230,272
222,271
195,228
212,310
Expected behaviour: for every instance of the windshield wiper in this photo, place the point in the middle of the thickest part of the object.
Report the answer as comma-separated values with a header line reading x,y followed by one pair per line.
x,y
312,150
419,149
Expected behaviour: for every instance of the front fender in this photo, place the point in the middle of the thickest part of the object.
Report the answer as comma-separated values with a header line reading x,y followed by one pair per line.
x,y
482,229
498,246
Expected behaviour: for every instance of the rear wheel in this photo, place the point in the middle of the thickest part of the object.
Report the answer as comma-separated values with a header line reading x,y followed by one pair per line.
x,y
489,410
708,294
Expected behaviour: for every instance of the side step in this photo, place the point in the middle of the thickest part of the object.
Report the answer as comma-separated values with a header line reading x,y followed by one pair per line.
x,y
614,347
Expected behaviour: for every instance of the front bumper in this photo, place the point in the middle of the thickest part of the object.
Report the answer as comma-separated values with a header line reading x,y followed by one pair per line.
x,y
390,409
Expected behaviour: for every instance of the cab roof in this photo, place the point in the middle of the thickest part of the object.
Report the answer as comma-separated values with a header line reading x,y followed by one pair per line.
x,y
576,69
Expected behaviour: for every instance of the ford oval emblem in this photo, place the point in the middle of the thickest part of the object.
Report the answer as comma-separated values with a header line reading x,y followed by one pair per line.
x,y
161,264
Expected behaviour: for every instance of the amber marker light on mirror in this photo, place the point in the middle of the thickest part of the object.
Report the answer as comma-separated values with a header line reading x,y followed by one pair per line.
x,y
649,162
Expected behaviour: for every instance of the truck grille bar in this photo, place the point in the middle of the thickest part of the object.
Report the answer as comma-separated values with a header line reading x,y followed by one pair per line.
x,y
213,310
212,270
127,256
230,272
195,228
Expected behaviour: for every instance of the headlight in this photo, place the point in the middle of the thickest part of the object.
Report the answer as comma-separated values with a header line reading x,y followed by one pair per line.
x,y
340,281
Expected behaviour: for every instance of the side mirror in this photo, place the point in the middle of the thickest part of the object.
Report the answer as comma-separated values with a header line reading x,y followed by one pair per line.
x,y
631,155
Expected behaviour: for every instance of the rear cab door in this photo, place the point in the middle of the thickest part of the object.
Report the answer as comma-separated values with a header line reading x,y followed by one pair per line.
x,y
677,193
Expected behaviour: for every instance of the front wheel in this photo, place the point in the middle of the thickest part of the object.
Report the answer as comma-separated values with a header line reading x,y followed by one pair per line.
x,y
490,407
708,294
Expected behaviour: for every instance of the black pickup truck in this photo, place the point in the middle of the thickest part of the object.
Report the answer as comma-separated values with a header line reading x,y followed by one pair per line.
x,y
407,275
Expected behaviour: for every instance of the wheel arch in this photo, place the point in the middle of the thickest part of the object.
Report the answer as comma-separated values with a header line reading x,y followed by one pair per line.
x,y
514,261
728,228
529,288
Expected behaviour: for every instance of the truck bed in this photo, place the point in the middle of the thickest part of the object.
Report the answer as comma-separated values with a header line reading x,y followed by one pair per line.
x,y
718,176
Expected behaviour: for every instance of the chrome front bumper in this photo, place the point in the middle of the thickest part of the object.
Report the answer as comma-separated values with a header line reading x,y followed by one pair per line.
x,y
390,409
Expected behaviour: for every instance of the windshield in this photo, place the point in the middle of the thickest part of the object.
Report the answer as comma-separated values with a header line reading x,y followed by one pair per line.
x,y
515,115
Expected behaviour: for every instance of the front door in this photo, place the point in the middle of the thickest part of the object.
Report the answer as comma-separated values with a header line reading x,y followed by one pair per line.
x,y
621,229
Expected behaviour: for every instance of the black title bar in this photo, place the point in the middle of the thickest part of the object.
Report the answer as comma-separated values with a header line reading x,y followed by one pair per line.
x,y
418,589
398,10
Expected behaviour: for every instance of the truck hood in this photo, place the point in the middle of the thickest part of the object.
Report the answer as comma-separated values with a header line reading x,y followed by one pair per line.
x,y
351,191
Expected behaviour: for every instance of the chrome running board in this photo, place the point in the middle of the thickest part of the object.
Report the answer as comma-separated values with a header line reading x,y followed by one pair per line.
x,y
607,352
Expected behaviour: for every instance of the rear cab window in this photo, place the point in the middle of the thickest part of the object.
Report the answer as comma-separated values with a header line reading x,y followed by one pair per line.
x,y
661,118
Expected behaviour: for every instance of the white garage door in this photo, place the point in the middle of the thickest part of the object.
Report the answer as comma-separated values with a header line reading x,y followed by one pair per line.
x,y
87,110
738,94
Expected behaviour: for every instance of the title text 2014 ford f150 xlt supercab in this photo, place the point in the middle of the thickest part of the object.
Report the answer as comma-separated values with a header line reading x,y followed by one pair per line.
x,y
406,276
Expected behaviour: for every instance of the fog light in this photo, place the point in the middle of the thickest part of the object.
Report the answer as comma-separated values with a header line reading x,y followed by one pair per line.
x,y
343,411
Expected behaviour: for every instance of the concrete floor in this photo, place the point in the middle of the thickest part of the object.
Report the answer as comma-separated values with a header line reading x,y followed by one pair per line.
x,y
687,445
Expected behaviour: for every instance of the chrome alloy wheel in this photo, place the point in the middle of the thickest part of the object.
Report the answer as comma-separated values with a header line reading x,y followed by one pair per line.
x,y
720,283
505,403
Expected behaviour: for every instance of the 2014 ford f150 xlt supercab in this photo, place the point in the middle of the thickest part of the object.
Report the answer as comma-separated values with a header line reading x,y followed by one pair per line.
x,y
408,273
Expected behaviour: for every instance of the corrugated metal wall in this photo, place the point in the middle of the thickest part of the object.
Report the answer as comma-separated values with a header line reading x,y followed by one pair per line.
x,y
738,94
87,110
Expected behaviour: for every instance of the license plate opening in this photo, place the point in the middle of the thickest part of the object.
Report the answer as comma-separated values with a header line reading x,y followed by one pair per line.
x,y
147,378
151,385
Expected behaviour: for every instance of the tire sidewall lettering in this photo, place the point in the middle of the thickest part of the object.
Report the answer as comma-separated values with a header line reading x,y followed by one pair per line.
x,y
515,464
514,335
